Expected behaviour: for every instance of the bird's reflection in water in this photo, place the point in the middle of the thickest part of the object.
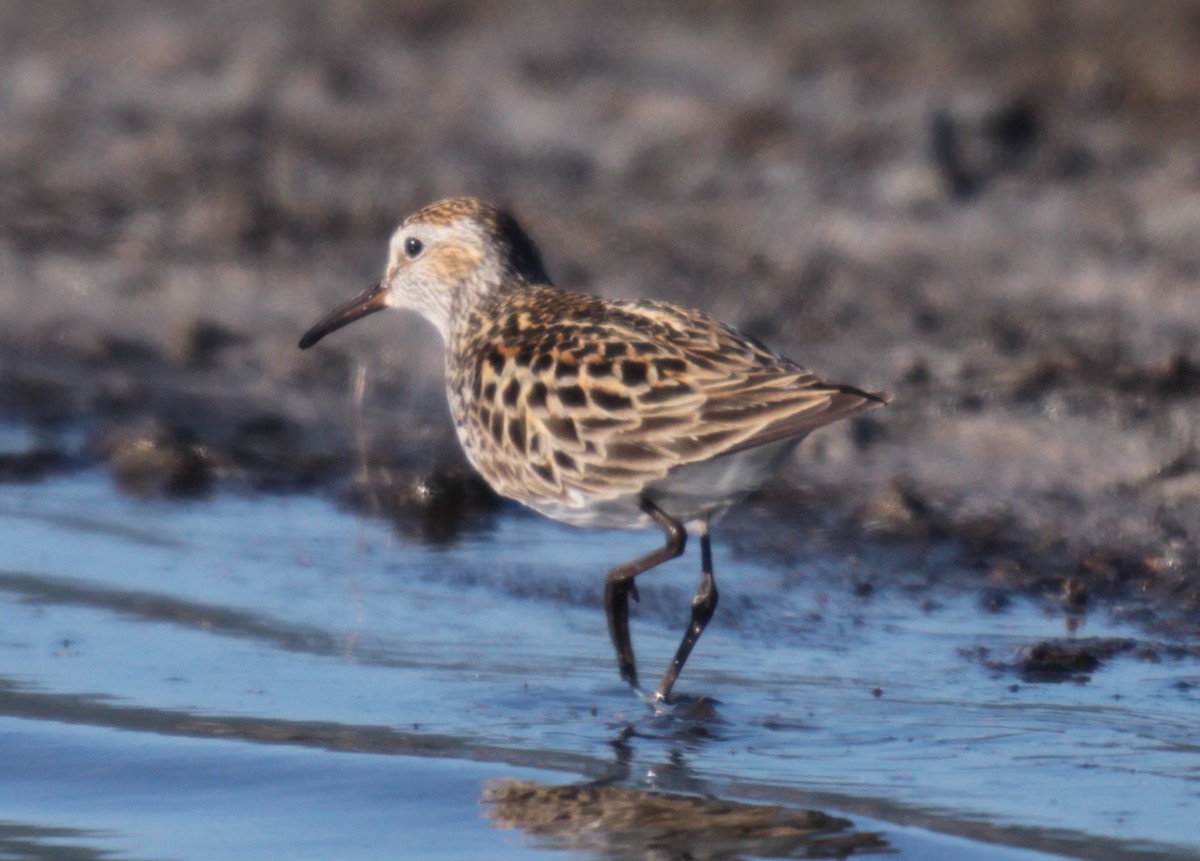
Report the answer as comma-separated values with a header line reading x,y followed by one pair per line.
x,y
616,819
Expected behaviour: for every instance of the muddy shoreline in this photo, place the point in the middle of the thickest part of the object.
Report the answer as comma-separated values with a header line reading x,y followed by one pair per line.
x,y
991,212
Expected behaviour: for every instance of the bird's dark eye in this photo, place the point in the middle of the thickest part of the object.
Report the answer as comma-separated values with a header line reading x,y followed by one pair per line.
x,y
413,247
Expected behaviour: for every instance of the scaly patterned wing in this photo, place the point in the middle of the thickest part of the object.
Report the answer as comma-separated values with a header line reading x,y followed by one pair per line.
x,y
752,396
582,398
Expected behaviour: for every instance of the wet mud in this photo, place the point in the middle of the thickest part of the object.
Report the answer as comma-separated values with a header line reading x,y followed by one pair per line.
x,y
985,209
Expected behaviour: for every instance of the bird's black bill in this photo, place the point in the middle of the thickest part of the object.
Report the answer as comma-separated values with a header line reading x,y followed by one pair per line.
x,y
367,302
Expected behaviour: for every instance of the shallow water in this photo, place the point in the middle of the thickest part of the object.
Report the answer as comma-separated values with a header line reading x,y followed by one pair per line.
x,y
273,677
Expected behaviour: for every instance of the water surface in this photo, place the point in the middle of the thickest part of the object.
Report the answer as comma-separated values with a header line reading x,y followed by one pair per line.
x,y
271,676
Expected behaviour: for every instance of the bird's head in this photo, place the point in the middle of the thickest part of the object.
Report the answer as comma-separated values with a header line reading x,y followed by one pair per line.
x,y
442,260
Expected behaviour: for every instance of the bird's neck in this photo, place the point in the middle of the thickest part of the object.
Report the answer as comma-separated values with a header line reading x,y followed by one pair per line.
x,y
476,307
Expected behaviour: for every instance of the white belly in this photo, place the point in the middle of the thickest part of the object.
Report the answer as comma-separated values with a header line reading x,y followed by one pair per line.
x,y
692,492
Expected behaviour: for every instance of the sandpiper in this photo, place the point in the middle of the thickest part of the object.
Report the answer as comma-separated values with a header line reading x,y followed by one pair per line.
x,y
595,412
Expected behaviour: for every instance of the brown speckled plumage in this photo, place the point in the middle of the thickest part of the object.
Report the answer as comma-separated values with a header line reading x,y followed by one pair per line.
x,y
593,411
567,400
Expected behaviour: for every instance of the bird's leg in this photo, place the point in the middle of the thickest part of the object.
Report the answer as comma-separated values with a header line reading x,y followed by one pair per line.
x,y
704,604
619,585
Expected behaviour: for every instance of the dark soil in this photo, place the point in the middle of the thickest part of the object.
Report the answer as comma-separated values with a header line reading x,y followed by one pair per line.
x,y
990,208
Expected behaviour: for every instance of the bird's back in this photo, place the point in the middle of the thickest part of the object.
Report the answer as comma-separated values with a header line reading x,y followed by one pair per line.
x,y
576,405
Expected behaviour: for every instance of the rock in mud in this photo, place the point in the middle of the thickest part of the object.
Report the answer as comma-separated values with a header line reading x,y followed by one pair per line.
x,y
155,460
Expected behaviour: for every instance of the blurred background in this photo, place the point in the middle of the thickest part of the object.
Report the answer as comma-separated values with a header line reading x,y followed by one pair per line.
x,y
990,208
965,622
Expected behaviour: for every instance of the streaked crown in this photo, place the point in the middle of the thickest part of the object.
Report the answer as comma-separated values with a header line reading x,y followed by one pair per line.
x,y
445,257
